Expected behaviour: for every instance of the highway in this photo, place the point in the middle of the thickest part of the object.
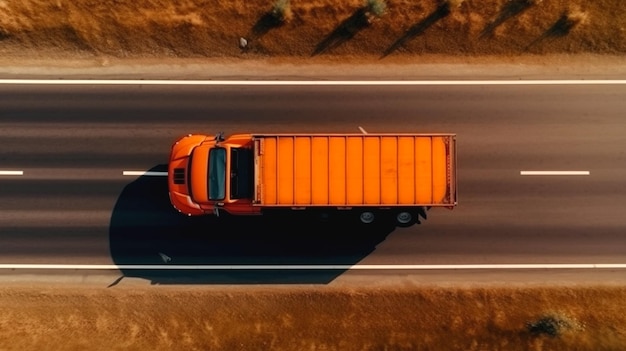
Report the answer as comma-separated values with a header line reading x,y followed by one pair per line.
x,y
72,203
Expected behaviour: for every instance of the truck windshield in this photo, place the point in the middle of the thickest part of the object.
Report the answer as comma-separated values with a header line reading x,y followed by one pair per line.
x,y
217,174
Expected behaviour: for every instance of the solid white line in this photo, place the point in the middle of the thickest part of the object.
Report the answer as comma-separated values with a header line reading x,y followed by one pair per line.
x,y
554,173
315,267
144,173
11,173
304,82
362,130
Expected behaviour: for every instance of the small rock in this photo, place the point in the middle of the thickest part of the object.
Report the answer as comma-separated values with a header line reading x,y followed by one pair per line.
x,y
243,43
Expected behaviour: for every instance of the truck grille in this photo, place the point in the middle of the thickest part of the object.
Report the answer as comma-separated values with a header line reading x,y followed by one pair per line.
x,y
179,176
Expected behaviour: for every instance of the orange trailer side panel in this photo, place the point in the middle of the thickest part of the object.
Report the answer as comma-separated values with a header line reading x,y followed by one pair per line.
x,y
319,170
371,171
423,170
389,170
439,178
337,171
355,170
268,172
302,153
285,162
406,170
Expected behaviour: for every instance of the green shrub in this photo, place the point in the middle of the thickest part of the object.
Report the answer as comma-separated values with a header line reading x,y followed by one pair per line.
x,y
281,11
376,7
553,325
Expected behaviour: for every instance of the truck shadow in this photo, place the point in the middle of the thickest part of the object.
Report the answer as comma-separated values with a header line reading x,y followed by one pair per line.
x,y
146,230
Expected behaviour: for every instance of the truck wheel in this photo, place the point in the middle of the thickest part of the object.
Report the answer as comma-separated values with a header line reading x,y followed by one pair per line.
x,y
367,217
405,219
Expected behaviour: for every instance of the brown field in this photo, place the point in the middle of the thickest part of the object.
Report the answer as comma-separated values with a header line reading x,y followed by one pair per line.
x,y
408,28
311,318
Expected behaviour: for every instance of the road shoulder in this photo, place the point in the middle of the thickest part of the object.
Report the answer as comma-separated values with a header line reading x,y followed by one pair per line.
x,y
427,67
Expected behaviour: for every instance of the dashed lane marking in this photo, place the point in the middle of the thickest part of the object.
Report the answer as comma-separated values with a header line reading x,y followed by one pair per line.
x,y
144,173
11,173
555,173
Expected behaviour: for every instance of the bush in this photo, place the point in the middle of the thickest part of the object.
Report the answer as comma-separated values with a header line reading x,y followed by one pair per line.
x,y
281,11
552,325
454,3
376,7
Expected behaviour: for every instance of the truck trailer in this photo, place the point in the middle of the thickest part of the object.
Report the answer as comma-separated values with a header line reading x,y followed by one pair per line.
x,y
370,177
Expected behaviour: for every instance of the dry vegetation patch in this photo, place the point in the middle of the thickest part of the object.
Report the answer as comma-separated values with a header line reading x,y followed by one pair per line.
x,y
373,28
316,318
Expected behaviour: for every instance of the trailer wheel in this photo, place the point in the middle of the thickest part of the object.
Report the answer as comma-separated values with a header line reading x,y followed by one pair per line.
x,y
367,217
405,219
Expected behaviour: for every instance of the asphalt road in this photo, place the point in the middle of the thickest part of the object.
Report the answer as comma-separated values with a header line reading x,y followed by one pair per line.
x,y
73,205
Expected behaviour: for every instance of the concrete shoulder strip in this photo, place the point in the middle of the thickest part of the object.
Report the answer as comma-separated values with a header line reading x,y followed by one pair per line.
x,y
313,267
304,82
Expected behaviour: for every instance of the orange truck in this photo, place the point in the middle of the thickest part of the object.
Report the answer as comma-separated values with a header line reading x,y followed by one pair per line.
x,y
371,177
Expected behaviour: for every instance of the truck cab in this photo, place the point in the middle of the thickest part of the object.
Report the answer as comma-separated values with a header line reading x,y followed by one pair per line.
x,y
209,174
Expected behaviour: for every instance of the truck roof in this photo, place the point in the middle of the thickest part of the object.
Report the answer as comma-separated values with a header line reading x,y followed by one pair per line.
x,y
355,169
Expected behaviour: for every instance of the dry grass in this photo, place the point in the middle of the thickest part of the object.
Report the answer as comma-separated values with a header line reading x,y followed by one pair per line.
x,y
282,11
323,318
198,28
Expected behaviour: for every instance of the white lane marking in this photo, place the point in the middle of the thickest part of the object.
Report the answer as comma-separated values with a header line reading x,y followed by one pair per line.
x,y
11,173
304,82
554,173
144,173
362,130
315,267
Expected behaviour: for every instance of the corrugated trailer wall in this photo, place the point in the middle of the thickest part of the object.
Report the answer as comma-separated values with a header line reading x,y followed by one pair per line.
x,y
353,170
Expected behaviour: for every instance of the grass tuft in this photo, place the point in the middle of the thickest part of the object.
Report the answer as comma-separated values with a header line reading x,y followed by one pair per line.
x,y
4,34
553,325
576,16
281,11
454,3
376,7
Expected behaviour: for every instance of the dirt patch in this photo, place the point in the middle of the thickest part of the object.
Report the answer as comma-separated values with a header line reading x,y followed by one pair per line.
x,y
253,318
198,28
